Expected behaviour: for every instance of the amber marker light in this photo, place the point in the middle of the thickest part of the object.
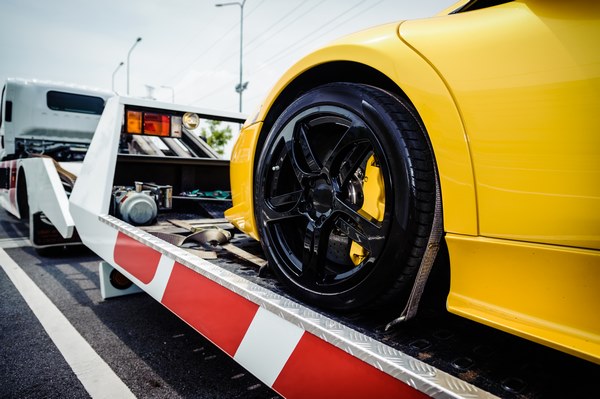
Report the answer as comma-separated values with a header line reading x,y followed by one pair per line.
x,y
134,122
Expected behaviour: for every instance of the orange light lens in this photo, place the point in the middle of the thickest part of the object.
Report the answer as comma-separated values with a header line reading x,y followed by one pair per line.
x,y
134,122
157,124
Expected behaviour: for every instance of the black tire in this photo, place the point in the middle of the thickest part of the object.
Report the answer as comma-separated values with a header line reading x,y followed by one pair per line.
x,y
310,202
23,201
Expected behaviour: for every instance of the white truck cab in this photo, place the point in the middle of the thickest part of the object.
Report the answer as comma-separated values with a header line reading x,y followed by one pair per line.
x,y
40,117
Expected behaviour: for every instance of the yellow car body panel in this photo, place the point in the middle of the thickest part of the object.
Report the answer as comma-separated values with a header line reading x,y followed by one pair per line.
x,y
508,95
533,136
242,180
546,293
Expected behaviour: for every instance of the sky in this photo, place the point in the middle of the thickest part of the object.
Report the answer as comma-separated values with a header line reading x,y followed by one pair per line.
x,y
189,49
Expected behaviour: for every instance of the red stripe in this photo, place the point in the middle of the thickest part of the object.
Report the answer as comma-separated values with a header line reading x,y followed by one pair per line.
x,y
219,314
317,369
138,259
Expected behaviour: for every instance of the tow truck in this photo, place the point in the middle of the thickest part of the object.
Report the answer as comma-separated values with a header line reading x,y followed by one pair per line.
x,y
156,221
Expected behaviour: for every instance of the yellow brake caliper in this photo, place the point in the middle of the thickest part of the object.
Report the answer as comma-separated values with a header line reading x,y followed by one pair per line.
x,y
373,205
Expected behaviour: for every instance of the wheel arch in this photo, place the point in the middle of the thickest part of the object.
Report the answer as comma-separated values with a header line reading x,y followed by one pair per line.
x,y
437,111
388,64
329,72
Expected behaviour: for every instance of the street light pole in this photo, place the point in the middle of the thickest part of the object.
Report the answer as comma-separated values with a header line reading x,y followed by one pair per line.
x,y
113,76
241,86
139,39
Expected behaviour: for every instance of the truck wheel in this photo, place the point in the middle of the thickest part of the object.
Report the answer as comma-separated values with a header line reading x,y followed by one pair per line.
x,y
22,200
344,196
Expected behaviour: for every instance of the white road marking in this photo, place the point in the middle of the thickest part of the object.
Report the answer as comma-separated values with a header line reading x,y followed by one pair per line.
x,y
14,242
93,372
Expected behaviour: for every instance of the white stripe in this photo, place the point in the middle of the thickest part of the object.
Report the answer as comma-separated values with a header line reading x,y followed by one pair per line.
x,y
14,242
267,345
95,375
156,288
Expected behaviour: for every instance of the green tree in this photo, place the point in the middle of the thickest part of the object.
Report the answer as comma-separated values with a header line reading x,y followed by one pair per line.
x,y
216,135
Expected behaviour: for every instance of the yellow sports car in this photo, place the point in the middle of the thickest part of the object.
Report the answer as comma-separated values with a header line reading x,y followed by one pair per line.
x,y
477,129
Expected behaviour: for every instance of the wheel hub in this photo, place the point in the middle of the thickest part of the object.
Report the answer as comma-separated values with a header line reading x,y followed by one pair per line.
x,y
321,198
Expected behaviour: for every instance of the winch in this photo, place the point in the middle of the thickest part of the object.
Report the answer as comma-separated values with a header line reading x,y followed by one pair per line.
x,y
139,205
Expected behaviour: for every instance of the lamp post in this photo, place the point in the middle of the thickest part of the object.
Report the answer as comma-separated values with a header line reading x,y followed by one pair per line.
x,y
172,92
113,76
240,86
139,39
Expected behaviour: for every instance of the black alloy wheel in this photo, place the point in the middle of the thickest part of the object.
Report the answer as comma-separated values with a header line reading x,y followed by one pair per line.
x,y
344,196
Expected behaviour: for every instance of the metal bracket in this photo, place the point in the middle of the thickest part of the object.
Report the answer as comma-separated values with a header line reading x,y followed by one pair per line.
x,y
107,290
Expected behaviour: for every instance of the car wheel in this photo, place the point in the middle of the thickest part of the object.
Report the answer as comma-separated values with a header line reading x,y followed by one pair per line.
x,y
344,196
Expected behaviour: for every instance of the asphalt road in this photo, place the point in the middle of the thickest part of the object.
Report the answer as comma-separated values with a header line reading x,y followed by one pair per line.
x,y
154,353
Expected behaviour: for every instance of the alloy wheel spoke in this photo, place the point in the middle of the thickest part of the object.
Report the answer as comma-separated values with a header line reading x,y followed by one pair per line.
x,y
369,234
299,172
287,154
349,151
311,270
278,208
353,160
353,233
287,199
307,153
